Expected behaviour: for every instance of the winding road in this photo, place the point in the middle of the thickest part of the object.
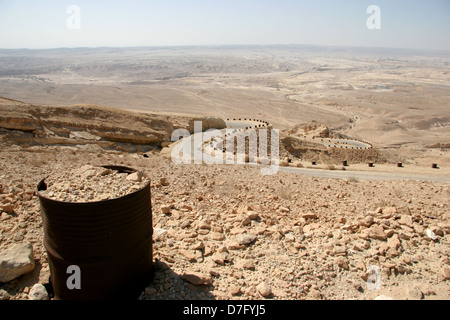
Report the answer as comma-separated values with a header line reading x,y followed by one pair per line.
x,y
198,149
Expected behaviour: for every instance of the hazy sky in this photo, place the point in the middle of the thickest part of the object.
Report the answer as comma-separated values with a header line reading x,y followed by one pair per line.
x,y
417,24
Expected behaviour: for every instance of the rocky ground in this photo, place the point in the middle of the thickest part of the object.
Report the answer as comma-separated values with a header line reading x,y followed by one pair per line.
x,y
226,232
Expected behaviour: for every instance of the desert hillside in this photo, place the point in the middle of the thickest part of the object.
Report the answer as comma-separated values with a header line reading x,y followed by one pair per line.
x,y
80,124
226,232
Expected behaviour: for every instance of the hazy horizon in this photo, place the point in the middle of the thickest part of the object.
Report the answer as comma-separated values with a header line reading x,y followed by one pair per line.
x,y
243,46
400,24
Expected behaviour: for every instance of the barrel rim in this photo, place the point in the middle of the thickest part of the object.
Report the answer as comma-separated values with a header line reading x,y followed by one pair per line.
x,y
118,168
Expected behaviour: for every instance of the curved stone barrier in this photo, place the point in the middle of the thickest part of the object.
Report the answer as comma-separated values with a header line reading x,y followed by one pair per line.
x,y
345,143
248,123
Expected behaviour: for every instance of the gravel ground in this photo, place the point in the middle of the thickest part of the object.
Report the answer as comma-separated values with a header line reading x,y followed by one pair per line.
x,y
226,232
92,183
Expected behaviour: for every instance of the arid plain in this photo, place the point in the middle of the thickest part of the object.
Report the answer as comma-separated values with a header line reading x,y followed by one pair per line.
x,y
226,232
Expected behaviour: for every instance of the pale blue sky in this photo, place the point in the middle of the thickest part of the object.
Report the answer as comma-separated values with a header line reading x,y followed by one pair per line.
x,y
416,24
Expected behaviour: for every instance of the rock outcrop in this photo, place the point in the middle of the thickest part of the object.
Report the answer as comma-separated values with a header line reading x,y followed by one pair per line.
x,y
88,124
312,128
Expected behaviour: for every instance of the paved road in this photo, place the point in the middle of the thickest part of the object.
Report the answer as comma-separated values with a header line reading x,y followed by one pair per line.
x,y
365,175
196,156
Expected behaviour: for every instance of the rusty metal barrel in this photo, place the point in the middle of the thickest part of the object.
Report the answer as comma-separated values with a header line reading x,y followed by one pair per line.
x,y
110,242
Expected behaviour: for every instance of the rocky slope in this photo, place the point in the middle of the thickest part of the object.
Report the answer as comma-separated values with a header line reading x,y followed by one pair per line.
x,y
226,232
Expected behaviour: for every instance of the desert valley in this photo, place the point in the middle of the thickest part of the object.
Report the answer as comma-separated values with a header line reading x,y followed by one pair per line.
x,y
314,230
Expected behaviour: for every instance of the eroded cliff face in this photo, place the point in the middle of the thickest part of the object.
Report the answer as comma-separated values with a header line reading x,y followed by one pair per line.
x,y
94,124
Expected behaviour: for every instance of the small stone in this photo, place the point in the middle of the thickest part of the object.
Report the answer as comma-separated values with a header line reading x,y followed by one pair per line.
x,y
245,239
38,292
252,215
366,222
15,261
390,211
220,258
284,209
4,295
342,262
415,293
394,242
383,297
157,232
405,220
218,236
404,235
190,255
358,287
264,289
185,224
23,225
389,233
105,172
445,273
164,182
437,231
187,207
377,232
150,291
198,245
430,234
248,264
234,245
165,209
197,279
289,237
314,294
235,290
8,208
340,251
204,225
309,216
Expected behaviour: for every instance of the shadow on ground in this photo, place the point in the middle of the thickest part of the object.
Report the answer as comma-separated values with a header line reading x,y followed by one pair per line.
x,y
168,285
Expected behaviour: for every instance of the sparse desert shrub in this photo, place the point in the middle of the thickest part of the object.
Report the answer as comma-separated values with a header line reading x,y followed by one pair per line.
x,y
299,165
331,167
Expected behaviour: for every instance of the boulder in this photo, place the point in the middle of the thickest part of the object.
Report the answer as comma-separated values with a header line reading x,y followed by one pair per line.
x,y
15,261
